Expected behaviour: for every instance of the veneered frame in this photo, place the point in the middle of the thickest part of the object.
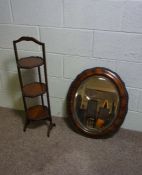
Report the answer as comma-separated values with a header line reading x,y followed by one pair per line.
x,y
123,102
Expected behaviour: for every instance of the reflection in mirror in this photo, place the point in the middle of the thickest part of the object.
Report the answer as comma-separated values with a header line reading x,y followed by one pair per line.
x,y
96,103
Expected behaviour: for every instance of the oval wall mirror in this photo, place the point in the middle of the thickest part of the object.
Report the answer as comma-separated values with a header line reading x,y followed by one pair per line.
x,y
97,102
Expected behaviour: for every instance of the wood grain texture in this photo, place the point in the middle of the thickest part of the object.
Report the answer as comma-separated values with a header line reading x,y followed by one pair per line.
x,y
123,104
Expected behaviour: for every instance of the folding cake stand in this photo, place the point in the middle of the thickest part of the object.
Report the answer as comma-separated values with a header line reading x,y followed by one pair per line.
x,y
34,89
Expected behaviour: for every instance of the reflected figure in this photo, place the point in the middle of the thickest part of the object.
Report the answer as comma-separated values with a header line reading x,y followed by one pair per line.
x,y
103,116
91,113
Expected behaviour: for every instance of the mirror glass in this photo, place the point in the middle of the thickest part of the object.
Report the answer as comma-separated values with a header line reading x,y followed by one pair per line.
x,y
96,103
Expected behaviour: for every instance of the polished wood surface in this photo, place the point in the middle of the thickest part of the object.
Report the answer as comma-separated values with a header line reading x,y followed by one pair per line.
x,y
122,108
30,62
34,89
37,112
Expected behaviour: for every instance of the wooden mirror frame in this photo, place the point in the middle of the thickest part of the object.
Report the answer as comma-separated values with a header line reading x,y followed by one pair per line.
x,y
123,102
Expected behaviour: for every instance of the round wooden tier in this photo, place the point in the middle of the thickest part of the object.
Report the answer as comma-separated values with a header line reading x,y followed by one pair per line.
x,y
34,89
38,112
30,62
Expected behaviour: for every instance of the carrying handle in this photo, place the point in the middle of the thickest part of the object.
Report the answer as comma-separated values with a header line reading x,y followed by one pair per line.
x,y
27,38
